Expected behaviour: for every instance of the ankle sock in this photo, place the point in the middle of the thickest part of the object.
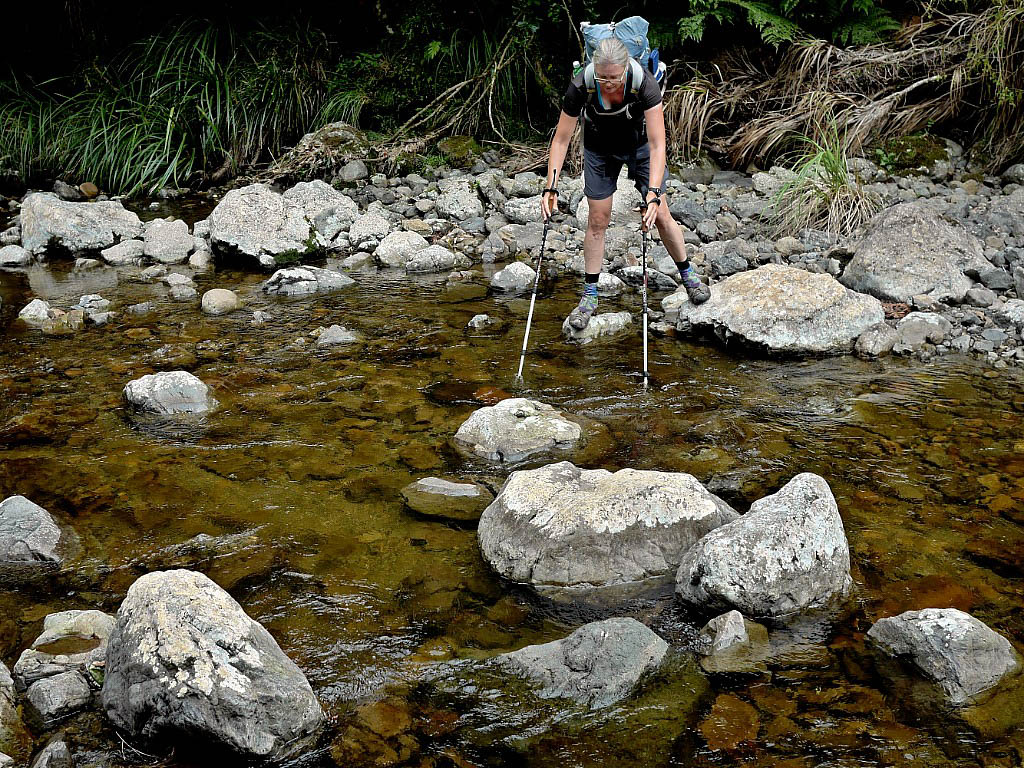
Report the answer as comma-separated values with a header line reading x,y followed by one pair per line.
x,y
590,286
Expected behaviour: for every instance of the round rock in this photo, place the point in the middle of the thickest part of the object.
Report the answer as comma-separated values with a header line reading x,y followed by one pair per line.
x,y
184,660
565,530
169,392
220,301
517,428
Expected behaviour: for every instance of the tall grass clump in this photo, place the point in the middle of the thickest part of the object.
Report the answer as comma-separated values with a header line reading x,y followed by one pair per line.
x,y
823,193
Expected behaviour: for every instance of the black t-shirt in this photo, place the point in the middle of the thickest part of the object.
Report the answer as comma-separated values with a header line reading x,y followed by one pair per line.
x,y
612,133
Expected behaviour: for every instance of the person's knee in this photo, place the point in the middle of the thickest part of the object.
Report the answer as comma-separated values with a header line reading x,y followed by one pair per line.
x,y
598,219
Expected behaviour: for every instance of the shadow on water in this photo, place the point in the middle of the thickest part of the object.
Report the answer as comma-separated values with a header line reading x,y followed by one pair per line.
x,y
289,496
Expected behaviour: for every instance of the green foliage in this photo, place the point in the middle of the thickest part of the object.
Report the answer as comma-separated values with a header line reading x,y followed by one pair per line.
x,y
845,22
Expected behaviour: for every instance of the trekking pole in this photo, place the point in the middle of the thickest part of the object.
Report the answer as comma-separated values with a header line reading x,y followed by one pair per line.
x,y
643,290
533,298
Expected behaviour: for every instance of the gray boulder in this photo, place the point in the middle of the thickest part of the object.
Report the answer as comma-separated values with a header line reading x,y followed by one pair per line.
x,y
516,428
184,660
565,530
436,258
1014,174
256,222
517,277
458,199
656,281
397,248
55,698
47,222
37,313
523,210
167,242
909,250
14,256
169,393
780,309
596,666
352,171
28,534
787,554
220,301
54,755
917,328
435,497
949,647
604,324
368,231
321,203
876,341
305,281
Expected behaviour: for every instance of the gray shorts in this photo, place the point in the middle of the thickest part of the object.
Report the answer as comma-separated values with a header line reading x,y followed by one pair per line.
x,y
601,171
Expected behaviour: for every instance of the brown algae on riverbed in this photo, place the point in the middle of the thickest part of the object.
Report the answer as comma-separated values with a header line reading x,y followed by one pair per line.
x,y
303,464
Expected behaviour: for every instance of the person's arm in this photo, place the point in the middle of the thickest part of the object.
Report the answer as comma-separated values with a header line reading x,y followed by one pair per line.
x,y
556,156
655,118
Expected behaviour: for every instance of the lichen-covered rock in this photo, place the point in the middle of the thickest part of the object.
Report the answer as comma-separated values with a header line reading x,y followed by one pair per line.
x,y
910,250
949,647
368,230
516,428
185,661
257,223
780,309
305,281
322,204
596,666
523,210
169,393
787,554
562,529
48,222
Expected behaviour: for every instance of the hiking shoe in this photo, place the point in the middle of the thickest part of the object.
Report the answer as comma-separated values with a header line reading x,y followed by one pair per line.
x,y
695,289
580,316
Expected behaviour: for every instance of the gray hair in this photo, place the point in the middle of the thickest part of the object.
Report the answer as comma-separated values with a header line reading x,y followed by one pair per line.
x,y
611,51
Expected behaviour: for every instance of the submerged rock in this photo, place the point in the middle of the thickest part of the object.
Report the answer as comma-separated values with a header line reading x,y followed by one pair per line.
x,y
435,497
787,554
48,222
336,334
515,428
596,666
780,309
185,661
910,250
949,647
257,223
305,281
564,529
169,392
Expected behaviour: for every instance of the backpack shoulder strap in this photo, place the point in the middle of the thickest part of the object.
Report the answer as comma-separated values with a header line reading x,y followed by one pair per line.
x,y
588,79
636,76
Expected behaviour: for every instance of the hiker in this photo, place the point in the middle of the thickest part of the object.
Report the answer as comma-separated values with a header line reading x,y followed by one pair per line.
x,y
623,123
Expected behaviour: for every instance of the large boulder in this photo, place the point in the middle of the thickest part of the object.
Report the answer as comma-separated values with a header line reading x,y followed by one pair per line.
x,y
787,554
436,258
458,199
596,666
47,222
949,647
780,309
257,223
185,661
169,393
909,250
523,210
28,535
305,281
397,248
328,209
516,428
566,530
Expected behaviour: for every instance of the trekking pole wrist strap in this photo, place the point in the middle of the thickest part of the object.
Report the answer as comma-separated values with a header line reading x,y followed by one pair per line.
x,y
550,189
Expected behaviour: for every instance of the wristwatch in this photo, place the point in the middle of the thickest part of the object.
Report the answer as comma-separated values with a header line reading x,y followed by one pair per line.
x,y
657,195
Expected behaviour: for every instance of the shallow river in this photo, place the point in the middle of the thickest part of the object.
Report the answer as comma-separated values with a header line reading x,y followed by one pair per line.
x,y
305,458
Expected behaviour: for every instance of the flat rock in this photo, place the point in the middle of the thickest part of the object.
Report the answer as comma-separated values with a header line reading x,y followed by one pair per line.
x,y
780,309
256,223
169,393
949,647
305,281
604,324
49,222
566,530
220,301
185,661
787,554
516,428
436,497
909,250
596,666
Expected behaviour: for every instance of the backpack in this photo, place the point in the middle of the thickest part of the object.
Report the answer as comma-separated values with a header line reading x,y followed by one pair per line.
x,y
633,33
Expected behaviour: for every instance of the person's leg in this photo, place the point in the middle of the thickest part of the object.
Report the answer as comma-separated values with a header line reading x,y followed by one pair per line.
x,y
599,187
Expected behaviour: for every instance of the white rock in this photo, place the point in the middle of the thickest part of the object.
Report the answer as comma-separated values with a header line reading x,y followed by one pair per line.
x,y
14,256
220,301
169,392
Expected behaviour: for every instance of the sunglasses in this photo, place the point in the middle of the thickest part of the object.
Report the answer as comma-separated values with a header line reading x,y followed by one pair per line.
x,y
611,80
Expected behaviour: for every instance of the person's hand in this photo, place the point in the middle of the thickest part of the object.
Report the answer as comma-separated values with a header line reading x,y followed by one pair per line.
x,y
650,212
548,204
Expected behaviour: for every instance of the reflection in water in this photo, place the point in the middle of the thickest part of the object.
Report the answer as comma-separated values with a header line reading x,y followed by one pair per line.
x,y
289,497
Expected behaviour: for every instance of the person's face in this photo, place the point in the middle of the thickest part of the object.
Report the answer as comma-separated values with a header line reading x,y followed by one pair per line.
x,y
609,78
